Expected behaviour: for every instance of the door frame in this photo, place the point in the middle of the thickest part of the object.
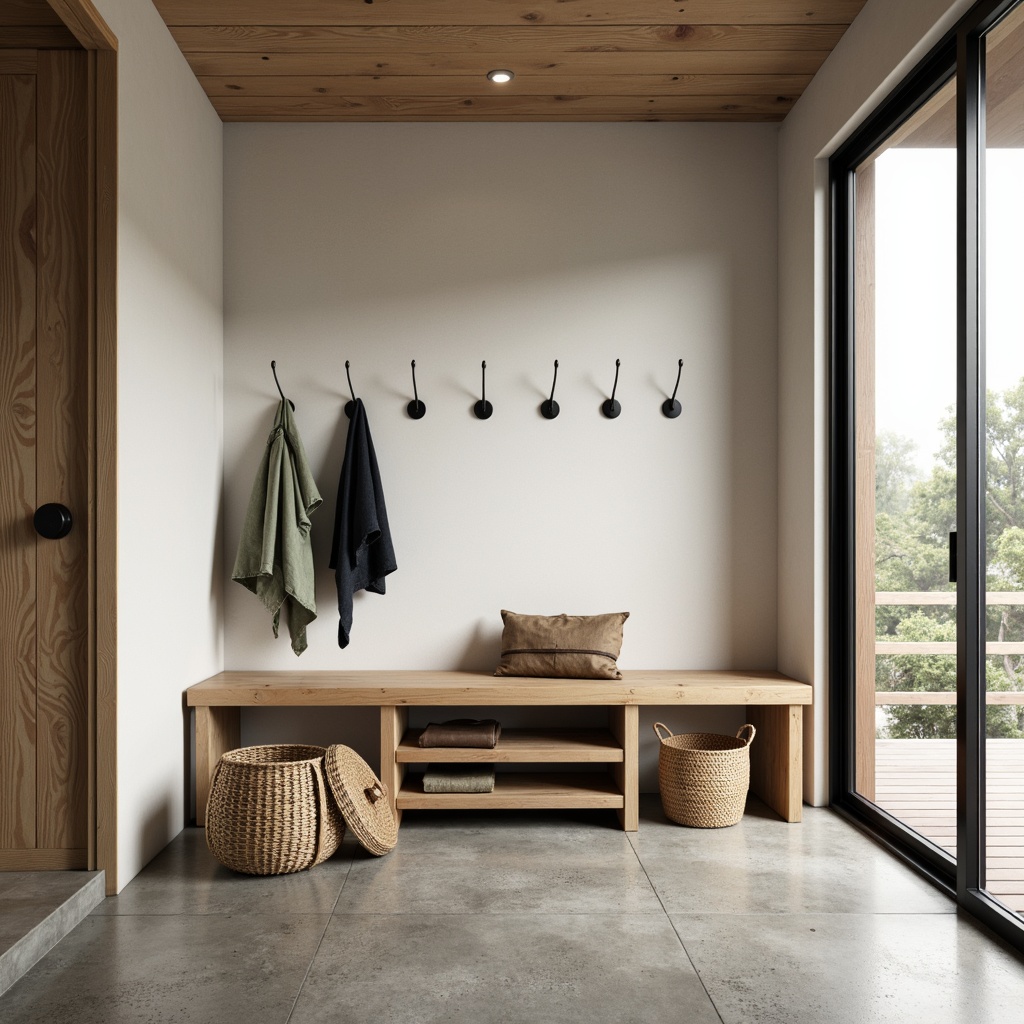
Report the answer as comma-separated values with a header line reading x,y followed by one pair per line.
x,y
95,36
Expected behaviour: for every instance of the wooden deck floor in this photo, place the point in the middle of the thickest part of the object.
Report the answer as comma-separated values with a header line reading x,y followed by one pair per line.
x,y
915,780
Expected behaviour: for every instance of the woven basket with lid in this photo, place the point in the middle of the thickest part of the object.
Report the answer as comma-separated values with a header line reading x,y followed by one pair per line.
x,y
270,810
363,799
704,776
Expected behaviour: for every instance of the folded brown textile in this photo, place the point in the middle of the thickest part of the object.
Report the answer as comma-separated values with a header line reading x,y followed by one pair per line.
x,y
461,732
447,778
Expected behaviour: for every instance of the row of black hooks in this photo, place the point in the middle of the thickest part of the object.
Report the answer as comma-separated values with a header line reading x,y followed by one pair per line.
x,y
483,409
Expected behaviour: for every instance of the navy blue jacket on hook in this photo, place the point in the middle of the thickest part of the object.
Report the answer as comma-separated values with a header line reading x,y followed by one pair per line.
x,y
362,553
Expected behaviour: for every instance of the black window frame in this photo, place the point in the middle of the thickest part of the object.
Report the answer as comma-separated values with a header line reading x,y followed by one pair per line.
x,y
960,54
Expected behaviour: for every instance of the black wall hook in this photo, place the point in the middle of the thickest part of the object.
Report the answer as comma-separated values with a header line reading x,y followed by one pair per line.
x,y
483,408
610,407
350,407
415,408
670,407
549,407
273,370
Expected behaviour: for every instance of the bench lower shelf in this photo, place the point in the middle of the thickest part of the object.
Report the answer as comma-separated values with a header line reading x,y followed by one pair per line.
x,y
520,791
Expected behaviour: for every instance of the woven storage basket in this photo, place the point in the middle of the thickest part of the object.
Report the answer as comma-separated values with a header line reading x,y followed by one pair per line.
x,y
270,811
704,776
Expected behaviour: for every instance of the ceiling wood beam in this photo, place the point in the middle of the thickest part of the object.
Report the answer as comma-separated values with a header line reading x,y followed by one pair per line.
x,y
538,39
477,85
694,62
507,12
525,107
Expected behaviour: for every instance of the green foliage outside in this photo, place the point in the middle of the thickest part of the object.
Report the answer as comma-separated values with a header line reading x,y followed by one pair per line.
x,y
913,520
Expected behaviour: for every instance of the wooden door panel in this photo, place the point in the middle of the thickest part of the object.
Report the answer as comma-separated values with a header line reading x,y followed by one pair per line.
x,y
17,461
61,447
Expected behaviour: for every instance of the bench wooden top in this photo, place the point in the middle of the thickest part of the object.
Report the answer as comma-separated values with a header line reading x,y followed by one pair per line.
x,y
382,687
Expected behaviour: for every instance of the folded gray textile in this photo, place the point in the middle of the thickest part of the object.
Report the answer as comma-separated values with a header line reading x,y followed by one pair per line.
x,y
448,778
461,732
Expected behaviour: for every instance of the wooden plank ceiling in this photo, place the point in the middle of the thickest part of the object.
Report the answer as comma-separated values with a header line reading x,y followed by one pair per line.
x,y
574,60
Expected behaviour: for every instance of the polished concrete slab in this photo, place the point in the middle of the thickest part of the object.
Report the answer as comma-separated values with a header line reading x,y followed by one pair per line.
x,y
497,968
822,865
852,968
525,918
37,909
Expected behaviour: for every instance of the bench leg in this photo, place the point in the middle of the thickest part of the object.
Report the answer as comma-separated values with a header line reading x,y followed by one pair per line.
x,y
393,722
624,722
776,758
218,730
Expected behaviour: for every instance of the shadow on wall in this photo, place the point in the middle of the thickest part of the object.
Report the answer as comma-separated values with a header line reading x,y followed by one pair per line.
x,y
482,651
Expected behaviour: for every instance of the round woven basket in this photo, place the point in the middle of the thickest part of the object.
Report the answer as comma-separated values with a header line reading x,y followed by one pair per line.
x,y
270,812
704,776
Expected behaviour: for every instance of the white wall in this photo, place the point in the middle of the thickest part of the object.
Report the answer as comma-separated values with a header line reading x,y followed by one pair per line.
x,y
884,43
517,244
170,420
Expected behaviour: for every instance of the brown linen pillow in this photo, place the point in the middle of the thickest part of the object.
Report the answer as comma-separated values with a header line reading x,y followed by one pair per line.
x,y
561,646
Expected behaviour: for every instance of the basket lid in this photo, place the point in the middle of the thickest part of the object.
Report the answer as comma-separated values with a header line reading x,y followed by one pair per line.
x,y
363,799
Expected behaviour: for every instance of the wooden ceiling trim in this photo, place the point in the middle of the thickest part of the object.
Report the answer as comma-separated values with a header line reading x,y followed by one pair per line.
x,y
477,85
523,106
538,39
504,12
695,62
86,23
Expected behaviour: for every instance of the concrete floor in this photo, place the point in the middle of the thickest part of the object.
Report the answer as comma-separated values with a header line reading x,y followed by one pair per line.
x,y
535,919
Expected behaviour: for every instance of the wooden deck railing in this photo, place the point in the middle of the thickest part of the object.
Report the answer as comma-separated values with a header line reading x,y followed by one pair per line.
x,y
943,597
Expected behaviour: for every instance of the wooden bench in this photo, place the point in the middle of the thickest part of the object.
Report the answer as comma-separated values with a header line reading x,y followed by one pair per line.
x,y
774,705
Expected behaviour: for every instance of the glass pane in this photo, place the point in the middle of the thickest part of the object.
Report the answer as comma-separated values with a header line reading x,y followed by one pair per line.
x,y
1004,510
905,372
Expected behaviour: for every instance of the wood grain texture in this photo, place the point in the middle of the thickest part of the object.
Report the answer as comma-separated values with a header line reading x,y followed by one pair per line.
x,y
17,461
104,461
579,64
62,447
43,860
86,23
218,730
624,723
452,689
27,13
520,746
520,791
34,37
479,115
1005,697
538,40
478,86
503,12
393,724
522,107
776,759
17,62
864,481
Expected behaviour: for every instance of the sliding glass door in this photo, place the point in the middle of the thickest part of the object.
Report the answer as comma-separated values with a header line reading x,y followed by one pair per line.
x,y
927,502
1003,312
905,443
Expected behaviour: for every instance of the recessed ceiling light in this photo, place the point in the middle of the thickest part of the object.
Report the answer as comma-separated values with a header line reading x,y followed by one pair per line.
x,y
500,76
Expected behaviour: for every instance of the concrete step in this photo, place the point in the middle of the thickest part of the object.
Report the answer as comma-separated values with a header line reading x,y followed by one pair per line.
x,y
37,909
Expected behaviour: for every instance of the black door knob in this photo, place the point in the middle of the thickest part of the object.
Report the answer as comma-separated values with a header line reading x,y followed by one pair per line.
x,y
52,520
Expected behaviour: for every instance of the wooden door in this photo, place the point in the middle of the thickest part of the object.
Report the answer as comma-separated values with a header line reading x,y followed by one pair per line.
x,y
44,457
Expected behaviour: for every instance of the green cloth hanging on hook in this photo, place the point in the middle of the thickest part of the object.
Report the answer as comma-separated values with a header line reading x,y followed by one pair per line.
x,y
275,557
